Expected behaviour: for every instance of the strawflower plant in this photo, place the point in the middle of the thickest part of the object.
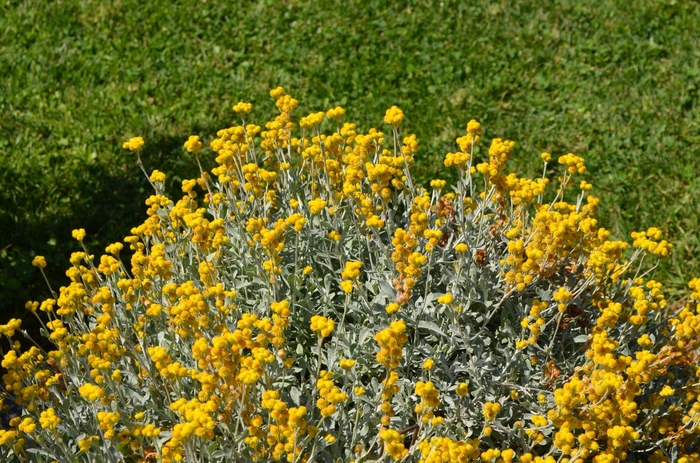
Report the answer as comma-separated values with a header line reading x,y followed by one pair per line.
x,y
307,301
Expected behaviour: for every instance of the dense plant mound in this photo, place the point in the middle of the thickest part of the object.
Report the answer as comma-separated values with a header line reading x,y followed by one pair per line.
x,y
307,301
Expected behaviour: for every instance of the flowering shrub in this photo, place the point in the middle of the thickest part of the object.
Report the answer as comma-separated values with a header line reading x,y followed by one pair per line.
x,y
307,301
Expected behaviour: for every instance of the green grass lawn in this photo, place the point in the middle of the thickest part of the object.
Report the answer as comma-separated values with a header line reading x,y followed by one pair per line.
x,y
614,81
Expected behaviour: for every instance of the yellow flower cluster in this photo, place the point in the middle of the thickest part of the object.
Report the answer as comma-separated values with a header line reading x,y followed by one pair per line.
x,y
350,274
335,113
393,443
499,153
329,394
562,296
49,420
241,108
573,163
491,409
193,144
346,364
91,392
134,144
429,401
287,428
10,327
322,325
391,341
446,450
27,425
39,261
205,317
649,241
394,116
107,420
312,120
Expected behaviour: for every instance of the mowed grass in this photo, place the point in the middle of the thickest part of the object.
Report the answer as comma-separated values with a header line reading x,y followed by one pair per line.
x,y
614,81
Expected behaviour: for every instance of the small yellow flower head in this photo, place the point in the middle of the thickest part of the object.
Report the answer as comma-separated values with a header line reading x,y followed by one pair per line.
x,y
311,120
91,392
157,176
507,455
391,341
278,92
346,364
445,299
317,205
114,248
359,390
307,270
461,248
346,286
27,425
9,329
31,306
392,308
574,164
462,389
352,270
85,444
393,443
193,144
473,128
330,438
562,296
546,157
134,144
491,409
428,364
322,325
7,437
242,108
667,391
645,341
438,184
79,234
48,419
394,116
39,261
336,113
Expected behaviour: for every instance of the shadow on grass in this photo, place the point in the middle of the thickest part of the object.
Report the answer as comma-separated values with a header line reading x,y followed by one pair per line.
x,y
110,203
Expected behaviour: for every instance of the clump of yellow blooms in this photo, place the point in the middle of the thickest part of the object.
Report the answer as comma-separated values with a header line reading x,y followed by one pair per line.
x,y
491,410
134,144
329,394
394,117
492,320
391,341
322,325
49,420
429,400
193,144
242,108
350,274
